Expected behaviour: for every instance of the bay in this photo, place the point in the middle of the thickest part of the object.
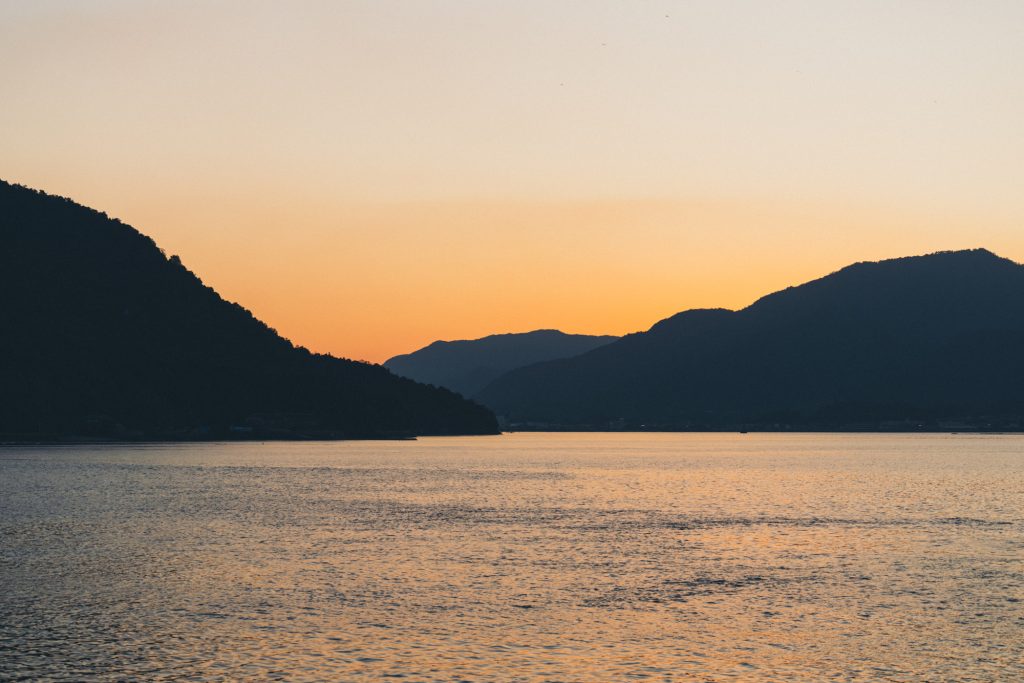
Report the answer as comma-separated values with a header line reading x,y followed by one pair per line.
x,y
521,557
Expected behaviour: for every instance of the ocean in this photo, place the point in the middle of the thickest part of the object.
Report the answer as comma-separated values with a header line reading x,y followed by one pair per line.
x,y
521,557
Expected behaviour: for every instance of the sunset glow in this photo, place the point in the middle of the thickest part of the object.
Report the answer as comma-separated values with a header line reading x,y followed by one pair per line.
x,y
368,177
545,340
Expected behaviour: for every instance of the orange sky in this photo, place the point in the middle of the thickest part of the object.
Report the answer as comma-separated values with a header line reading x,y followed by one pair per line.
x,y
370,176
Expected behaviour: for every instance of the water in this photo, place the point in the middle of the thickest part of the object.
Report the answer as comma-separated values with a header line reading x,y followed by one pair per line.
x,y
532,557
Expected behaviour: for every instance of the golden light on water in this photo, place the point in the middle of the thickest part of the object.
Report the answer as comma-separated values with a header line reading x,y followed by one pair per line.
x,y
370,176
597,557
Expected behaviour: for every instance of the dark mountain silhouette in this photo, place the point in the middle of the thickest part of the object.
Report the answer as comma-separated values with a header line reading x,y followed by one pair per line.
x,y
467,366
933,341
103,335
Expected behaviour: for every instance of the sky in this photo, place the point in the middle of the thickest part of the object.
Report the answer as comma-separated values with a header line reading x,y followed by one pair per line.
x,y
368,177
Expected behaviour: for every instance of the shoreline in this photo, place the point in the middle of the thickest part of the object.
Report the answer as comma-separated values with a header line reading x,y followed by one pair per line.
x,y
86,441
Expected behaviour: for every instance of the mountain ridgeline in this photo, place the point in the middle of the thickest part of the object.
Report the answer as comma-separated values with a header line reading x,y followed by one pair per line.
x,y
103,335
931,341
467,366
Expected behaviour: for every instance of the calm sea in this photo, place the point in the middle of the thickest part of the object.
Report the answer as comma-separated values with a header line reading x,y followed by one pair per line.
x,y
532,557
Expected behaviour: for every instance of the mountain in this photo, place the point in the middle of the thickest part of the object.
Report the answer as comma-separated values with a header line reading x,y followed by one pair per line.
x,y
467,366
934,340
104,335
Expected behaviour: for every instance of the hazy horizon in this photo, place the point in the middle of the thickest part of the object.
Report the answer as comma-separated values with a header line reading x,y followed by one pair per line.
x,y
370,177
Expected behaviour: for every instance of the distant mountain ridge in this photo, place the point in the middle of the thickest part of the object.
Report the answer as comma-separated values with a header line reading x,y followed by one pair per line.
x,y
467,366
104,336
927,340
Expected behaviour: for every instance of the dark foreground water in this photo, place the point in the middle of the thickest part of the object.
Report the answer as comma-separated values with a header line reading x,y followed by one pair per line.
x,y
600,557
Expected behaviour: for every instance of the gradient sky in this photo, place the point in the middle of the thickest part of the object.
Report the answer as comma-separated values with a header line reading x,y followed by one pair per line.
x,y
368,177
